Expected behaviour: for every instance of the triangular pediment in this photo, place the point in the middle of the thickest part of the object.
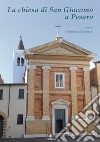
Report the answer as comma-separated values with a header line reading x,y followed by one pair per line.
x,y
60,47
60,102
59,50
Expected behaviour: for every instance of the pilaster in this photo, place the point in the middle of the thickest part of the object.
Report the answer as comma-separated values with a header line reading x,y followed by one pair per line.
x,y
87,85
74,91
45,93
31,94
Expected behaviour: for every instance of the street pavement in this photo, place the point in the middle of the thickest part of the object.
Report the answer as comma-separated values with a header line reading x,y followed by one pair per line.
x,y
25,140
36,140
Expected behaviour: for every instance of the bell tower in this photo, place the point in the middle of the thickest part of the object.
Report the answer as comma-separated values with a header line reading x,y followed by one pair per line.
x,y
19,63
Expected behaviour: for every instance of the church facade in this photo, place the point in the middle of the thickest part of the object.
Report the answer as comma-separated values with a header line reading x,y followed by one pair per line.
x,y
48,91
58,83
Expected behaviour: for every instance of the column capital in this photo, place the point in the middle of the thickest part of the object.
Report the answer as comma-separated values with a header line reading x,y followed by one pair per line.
x,y
86,69
30,66
73,68
45,67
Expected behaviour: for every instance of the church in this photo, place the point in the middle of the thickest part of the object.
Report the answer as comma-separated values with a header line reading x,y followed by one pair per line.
x,y
58,85
56,80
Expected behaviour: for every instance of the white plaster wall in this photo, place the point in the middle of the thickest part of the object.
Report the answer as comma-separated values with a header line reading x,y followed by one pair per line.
x,y
92,65
26,75
4,101
16,106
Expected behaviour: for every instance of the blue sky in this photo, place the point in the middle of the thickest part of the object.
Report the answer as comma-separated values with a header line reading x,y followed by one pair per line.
x,y
37,28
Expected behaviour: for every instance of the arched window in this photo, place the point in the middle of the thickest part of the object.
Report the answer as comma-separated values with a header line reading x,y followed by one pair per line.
x,y
22,61
18,61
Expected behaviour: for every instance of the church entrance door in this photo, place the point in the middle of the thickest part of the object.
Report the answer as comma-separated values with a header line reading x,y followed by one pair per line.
x,y
59,120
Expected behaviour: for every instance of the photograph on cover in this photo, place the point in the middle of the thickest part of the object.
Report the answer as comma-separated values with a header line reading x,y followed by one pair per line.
x,y
50,69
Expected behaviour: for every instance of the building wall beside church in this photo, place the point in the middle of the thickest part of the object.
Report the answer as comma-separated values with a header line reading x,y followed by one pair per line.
x,y
12,105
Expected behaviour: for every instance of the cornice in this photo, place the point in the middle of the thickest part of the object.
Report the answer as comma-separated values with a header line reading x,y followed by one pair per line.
x,y
56,43
59,57
56,50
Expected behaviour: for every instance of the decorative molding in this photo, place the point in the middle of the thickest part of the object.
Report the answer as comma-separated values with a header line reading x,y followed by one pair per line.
x,y
45,67
73,68
86,69
45,117
30,66
30,118
35,135
61,63
38,91
59,104
63,79
60,92
67,45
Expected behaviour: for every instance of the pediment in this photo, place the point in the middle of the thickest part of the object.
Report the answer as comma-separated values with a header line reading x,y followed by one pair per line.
x,y
60,102
58,50
58,47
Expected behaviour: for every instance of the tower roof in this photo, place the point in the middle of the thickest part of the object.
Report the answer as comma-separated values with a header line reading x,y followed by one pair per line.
x,y
21,45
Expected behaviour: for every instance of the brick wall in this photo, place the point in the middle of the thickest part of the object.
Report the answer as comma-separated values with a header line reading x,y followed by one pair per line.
x,y
57,93
38,106
38,78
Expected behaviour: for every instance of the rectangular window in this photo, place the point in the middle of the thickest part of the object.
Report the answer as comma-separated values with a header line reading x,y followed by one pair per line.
x,y
1,94
21,94
59,80
20,119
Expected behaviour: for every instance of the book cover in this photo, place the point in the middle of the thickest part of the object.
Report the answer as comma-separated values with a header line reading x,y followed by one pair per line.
x,y
52,92
38,22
